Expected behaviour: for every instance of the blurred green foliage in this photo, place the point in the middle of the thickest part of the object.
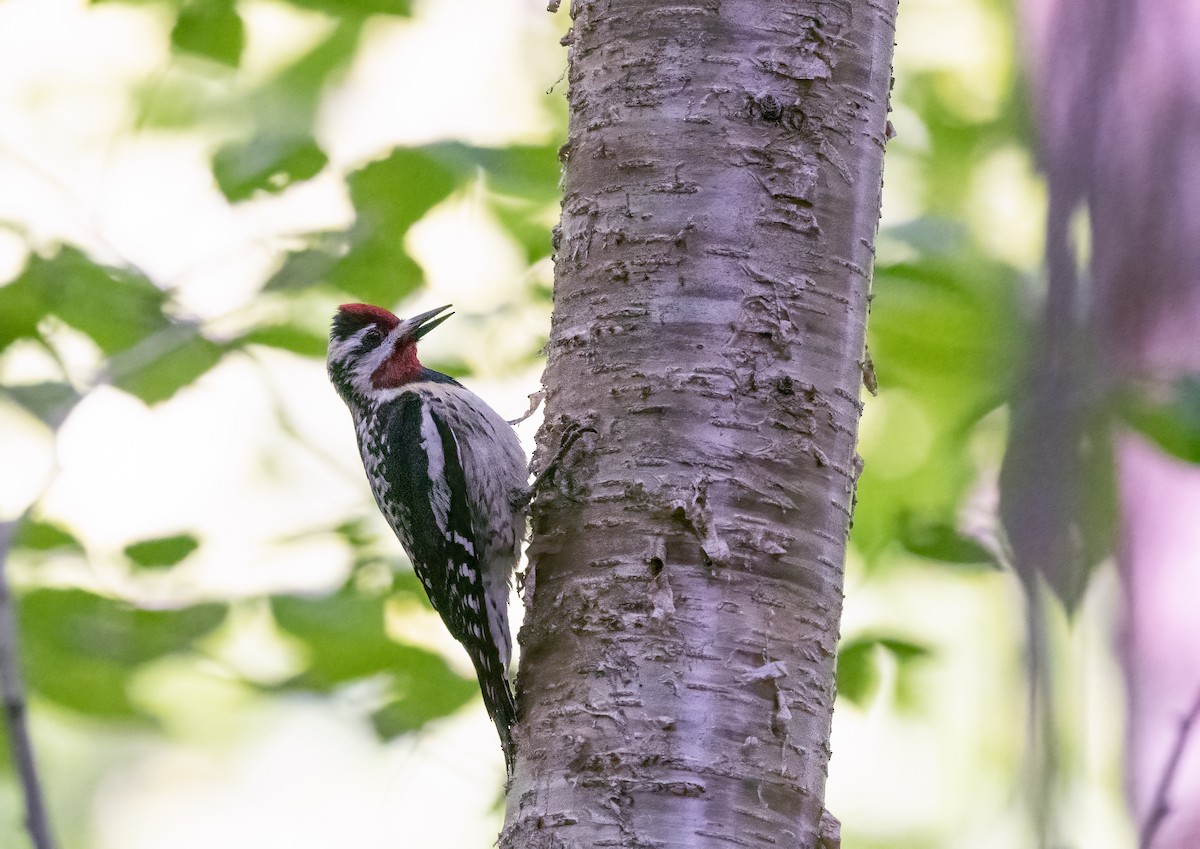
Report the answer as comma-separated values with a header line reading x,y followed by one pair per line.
x,y
268,164
212,29
162,552
946,334
115,307
860,668
1169,416
345,641
368,260
84,649
46,536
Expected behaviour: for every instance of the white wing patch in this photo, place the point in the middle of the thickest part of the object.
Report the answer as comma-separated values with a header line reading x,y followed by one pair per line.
x,y
493,460
439,494
467,544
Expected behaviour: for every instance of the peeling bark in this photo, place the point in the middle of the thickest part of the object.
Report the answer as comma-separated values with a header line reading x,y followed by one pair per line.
x,y
721,195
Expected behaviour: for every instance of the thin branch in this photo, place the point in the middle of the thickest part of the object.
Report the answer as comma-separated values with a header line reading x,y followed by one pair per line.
x,y
1161,807
13,691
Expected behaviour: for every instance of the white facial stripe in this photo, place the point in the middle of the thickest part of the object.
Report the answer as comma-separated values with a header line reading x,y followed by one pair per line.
x,y
360,377
342,349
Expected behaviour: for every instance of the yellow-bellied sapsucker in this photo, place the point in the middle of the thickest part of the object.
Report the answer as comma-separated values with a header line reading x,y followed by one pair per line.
x,y
450,477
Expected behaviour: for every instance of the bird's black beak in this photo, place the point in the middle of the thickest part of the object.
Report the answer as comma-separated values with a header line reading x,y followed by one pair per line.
x,y
419,325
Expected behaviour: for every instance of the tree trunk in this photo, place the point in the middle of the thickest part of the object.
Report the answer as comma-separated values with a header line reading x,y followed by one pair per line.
x,y
721,196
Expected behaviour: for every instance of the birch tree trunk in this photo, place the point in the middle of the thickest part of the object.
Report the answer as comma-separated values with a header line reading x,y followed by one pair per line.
x,y
721,196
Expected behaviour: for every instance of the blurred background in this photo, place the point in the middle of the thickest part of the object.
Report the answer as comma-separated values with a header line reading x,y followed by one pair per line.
x,y
222,641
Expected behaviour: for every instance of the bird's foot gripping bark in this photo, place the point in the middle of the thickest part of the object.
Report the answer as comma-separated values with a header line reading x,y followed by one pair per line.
x,y
571,434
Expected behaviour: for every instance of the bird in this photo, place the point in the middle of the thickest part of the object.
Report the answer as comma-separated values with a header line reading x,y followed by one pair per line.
x,y
451,479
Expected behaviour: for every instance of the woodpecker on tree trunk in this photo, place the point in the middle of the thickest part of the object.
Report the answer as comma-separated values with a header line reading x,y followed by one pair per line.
x,y
450,477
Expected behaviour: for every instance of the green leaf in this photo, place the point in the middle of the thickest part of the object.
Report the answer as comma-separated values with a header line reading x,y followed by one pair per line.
x,y
117,308
859,674
88,685
430,690
344,635
951,328
292,97
942,541
527,227
46,536
1172,423
378,271
394,193
310,266
908,656
406,583
94,625
80,649
267,163
930,237
371,264
179,102
183,358
904,650
346,641
357,532
916,466
212,29
162,552
858,671
22,306
288,337
948,336
524,171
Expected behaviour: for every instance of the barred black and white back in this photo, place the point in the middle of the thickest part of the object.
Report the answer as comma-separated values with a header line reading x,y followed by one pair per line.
x,y
450,477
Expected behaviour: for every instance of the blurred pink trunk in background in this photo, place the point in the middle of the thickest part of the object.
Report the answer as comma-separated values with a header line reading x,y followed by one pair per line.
x,y
1117,93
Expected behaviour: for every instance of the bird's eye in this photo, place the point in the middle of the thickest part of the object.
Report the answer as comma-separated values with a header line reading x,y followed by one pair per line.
x,y
372,339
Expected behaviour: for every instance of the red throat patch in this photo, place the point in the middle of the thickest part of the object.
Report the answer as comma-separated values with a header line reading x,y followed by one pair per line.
x,y
400,368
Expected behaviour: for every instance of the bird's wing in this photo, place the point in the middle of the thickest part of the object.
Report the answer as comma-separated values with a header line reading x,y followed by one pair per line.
x,y
425,480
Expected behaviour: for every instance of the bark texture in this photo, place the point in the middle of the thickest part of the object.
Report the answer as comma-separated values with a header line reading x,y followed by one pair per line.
x,y
721,196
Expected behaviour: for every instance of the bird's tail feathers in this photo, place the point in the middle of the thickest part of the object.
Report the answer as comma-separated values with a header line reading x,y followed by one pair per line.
x,y
501,706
